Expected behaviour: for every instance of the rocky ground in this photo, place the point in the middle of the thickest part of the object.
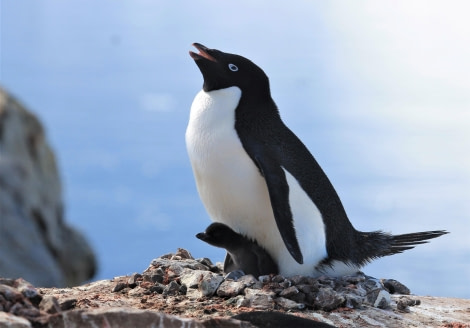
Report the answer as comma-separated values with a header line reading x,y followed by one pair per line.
x,y
177,290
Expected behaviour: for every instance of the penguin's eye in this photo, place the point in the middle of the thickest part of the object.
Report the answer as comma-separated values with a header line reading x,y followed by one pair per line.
x,y
233,67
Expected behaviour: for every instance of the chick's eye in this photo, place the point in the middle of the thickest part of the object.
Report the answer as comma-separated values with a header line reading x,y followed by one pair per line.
x,y
233,67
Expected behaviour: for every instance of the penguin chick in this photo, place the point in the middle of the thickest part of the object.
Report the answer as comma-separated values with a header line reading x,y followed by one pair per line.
x,y
242,253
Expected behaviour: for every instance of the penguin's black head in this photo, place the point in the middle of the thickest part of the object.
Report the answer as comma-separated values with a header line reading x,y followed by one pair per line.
x,y
223,70
217,234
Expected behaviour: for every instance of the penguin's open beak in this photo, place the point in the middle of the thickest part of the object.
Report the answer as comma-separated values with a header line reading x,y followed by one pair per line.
x,y
203,53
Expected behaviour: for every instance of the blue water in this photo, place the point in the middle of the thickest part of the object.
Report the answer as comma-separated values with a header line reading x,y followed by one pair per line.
x,y
377,94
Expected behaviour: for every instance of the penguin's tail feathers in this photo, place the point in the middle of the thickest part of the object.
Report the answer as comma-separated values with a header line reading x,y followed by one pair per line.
x,y
401,243
376,244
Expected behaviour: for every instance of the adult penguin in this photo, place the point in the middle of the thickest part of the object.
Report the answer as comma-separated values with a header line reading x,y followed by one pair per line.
x,y
254,175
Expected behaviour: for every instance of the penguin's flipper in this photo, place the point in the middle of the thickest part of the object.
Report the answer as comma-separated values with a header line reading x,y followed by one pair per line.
x,y
278,189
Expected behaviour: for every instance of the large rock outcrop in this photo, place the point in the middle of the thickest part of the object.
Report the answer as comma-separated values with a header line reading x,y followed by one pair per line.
x,y
35,241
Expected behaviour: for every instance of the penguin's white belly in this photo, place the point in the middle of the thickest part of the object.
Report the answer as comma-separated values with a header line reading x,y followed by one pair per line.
x,y
233,190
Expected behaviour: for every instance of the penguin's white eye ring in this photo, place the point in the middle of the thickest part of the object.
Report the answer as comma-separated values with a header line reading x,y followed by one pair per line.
x,y
232,67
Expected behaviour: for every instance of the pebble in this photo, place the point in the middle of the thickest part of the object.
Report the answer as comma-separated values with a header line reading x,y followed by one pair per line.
x,y
210,283
404,303
395,287
133,280
289,292
327,299
50,305
289,304
248,280
230,288
173,288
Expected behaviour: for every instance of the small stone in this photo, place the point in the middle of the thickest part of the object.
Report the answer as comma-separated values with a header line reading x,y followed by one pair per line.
x,y
230,288
257,285
293,294
210,283
327,299
133,279
184,254
205,261
297,280
28,291
289,304
264,278
289,292
307,288
395,287
404,302
138,292
10,293
326,281
243,302
7,281
371,284
68,304
174,271
353,301
260,299
173,288
157,278
50,305
165,256
157,288
192,278
285,284
248,280
183,290
378,298
278,278
119,286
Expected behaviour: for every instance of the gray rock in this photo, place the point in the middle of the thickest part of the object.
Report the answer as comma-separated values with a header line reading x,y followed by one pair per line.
x,y
248,280
119,286
353,301
38,245
8,320
278,278
133,280
289,304
50,305
192,278
210,283
182,253
327,299
173,288
230,288
157,288
10,294
67,304
289,292
138,292
378,298
404,303
395,287
264,278
259,299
